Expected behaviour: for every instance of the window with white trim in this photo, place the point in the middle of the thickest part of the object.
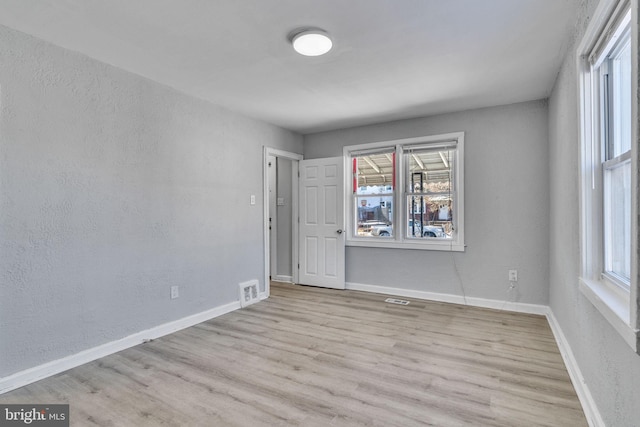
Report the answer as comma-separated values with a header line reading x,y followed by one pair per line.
x,y
407,193
605,66
613,74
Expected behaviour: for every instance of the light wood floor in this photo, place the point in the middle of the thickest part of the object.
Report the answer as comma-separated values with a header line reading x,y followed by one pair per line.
x,y
318,357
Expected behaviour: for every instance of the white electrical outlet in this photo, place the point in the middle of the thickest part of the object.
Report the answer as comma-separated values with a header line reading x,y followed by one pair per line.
x,y
513,275
252,199
174,292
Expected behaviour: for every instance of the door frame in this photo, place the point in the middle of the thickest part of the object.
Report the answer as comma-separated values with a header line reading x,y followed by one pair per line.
x,y
268,152
272,171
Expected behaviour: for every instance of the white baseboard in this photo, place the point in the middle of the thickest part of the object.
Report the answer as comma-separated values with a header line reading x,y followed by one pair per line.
x,y
455,299
281,278
48,369
582,390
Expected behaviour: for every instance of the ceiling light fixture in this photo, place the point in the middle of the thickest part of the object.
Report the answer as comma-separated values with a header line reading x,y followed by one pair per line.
x,y
312,42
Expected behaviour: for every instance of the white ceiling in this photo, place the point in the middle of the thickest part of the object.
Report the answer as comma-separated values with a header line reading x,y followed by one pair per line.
x,y
392,59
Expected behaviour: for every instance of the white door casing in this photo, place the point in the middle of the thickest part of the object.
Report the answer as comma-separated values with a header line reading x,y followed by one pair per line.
x,y
295,158
322,237
273,219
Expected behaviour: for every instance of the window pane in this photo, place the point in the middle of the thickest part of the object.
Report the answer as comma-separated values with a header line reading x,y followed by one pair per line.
x,y
429,216
429,193
374,216
430,171
374,172
618,220
616,104
621,99
373,195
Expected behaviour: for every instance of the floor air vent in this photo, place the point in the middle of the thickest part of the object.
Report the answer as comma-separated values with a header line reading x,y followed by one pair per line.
x,y
249,293
396,301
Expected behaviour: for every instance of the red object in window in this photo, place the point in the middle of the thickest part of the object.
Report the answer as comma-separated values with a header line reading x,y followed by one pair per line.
x,y
355,176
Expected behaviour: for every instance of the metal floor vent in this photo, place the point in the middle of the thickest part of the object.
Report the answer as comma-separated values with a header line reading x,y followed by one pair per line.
x,y
397,301
249,293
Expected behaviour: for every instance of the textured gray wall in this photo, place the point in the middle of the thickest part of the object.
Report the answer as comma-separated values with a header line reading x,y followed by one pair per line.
x,y
112,189
610,367
506,206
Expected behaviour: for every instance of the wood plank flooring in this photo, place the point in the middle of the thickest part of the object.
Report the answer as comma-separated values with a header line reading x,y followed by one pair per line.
x,y
318,357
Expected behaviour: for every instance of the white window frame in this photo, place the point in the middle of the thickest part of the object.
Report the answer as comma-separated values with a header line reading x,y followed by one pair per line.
x,y
616,303
399,240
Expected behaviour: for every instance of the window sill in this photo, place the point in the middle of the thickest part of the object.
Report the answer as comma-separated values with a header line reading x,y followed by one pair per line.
x,y
614,306
394,244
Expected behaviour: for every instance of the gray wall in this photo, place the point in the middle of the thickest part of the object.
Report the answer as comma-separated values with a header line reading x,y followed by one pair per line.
x,y
112,189
610,367
506,206
284,217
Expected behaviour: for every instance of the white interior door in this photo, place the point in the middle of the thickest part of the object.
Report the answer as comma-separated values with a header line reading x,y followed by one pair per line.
x,y
322,223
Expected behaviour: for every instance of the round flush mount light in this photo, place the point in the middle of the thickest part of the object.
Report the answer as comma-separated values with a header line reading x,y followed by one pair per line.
x,y
312,42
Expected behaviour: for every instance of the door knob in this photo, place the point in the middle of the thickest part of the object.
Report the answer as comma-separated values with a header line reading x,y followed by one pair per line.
x,y
339,231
